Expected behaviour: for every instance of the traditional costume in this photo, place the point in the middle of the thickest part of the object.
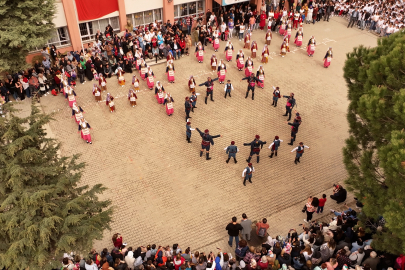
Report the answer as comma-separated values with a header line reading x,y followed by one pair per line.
x,y
143,68
254,49
160,93
102,82
248,67
269,36
282,28
77,112
328,57
247,41
221,72
97,92
150,78
110,102
311,46
121,79
135,83
169,104
215,44
240,60
138,60
276,96
214,63
70,95
199,52
191,84
298,38
132,97
228,51
260,75
288,32
170,72
265,54
84,128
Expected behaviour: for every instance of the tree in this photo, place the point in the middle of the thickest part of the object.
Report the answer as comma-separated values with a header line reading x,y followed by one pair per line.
x,y
44,211
374,155
24,26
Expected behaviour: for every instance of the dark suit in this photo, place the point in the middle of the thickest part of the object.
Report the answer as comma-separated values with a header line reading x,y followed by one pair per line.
x,y
353,18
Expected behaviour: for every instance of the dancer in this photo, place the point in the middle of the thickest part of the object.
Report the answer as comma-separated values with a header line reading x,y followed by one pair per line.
x,y
132,97
187,107
228,51
169,58
269,37
120,76
300,151
110,102
274,146
247,41
70,95
251,84
283,49
207,140
215,43
188,131
247,173
143,69
159,92
255,147
84,128
248,67
221,72
228,88
170,72
210,88
231,151
169,104
193,100
135,83
276,96
214,63
289,105
260,75
199,52
265,54
311,46
97,92
149,75
288,32
77,112
298,38
254,49
294,128
328,57
282,27
102,82
240,60
191,84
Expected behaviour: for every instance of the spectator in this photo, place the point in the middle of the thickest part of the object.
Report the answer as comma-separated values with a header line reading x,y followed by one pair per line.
x,y
241,249
322,202
233,229
247,227
310,207
372,261
46,63
339,194
261,228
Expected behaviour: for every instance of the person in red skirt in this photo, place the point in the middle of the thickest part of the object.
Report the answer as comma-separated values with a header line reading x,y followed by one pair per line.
x,y
70,95
159,92
269,36
265,54
260,75
311,46
228,51
214,63
143,68
191,84
109,101
221,72
169,104
170,72
84,128
77,112
253,49
150,78
169,57
215,44
240,60
102,82
263,18
248,67
132,97
328,58
247,41
97,92
298,38
199,52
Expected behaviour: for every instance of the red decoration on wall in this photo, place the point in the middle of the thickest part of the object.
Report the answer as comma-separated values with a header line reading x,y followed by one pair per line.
x,y
94,9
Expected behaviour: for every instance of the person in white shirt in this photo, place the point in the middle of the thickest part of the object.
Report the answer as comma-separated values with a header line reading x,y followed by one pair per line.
x,y
247,173
300,151
275,145
228,88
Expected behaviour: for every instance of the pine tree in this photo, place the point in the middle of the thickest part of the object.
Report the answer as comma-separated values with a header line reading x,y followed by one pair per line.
x,y
44,211
374,155
24,26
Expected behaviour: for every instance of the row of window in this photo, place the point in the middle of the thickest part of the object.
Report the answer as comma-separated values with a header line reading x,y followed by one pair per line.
x,y
191,8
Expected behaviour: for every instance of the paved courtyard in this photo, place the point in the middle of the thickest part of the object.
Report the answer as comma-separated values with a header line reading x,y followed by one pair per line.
x,y
163,192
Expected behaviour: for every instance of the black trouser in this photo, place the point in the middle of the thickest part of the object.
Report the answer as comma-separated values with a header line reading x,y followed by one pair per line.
x,y
318,17
288,112
227,93
275,102
223,36
187,114
209,94
309,216
352,21
253,91
81,77
326,18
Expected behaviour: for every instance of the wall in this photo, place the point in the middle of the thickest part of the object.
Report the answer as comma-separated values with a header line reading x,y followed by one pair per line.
x,y
59,20
133,6
177,2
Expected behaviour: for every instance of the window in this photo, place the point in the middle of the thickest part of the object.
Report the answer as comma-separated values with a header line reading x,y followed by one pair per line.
x,y
146,17
89,29
200,7
183,10
59,38
192,8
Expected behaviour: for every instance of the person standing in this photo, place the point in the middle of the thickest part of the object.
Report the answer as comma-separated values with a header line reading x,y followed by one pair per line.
x,y
354,17
210,88
300,152
233,229
169,104
191,84
231,151
193,100
247,173
311,46
294,128
260,75
207,140
251,84
276,96
274,146
248,67
221,72
321,205
289,105
247,227
84,129
199,52
255,147
188,105
240,60
188,131
228,51
132,97
310,207
328,58
261,228
228,88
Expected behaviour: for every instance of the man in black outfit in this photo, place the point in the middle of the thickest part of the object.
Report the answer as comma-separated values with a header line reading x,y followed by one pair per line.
x,y
252,80
289,105
255,147
210,88
233,229
339,194
207,140
187,106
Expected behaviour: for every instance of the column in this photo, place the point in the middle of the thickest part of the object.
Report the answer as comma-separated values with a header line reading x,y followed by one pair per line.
x,y
168,11
122,15
72,24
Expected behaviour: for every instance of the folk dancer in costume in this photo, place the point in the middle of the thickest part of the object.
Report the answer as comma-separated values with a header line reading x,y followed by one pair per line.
x,y
328,58
143,69
199,52
120,76
296,18
247,41
282,27
240,60
110,102
289,105
138,60
231,151
169,104
288,31
248,67
274,146
135,83
150,78
301,28
193,99
269,36
84,128
300,151
187,107
298,38
214,63
228,51
215,44
70,95
102,82
269,24
255,147
191,84
169,58
160,93
77,112
260,75
265,54
97,92
311,46
253,49
207,140
251,84
170,72
294,128
276,96
221,72
283,49
132,97
188,131
228,88
247,173
210,88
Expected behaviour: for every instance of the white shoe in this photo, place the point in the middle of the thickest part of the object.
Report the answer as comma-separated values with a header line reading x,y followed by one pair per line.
x,y
305,220
122,86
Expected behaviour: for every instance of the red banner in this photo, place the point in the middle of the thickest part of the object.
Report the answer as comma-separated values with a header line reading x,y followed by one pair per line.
x,y
94,9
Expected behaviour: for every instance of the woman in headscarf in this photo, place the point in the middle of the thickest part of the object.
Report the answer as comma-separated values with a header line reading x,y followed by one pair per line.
x,y
214,63
228,51
110,102
215,42
84,128
191,84
120,75
219,260
102,82
199,52
253,49
169,104
248,67
288,32
70,95
88,71
130,260
170,72
221,72
247,41
169,57
311,46
132,97
143,68
77,112
150,78
265,54
240,60
42,85
97,92
135,83
260,75
159,92
263,263
328,58
298,38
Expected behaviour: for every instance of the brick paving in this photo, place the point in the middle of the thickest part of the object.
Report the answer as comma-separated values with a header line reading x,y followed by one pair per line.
x,y
163,192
